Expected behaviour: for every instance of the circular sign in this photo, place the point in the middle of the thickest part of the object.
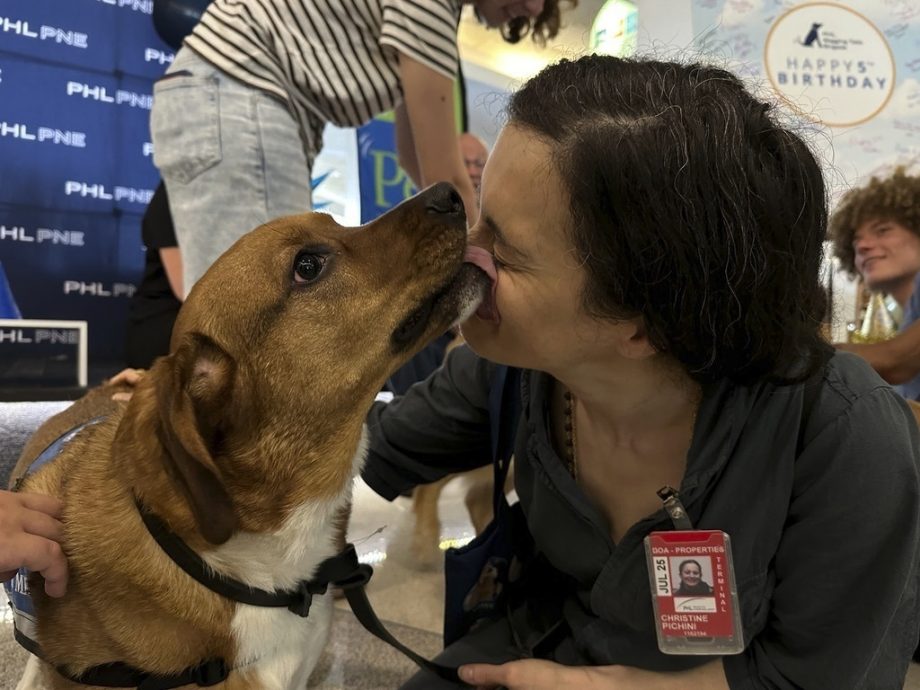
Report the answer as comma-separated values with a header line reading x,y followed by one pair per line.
x,y
830,63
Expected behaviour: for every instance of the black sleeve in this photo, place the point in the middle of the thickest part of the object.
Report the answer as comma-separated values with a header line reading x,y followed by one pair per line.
x,y
440,426
843,612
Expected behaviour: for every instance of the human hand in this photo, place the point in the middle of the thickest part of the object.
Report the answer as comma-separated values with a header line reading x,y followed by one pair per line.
x,y
30,536
125,377
533,674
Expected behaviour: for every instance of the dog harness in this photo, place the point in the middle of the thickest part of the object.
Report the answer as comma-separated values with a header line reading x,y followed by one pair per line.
x,y
342,570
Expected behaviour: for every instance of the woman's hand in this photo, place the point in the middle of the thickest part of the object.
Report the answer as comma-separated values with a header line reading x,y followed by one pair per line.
x,y
30,536
535,674
125,377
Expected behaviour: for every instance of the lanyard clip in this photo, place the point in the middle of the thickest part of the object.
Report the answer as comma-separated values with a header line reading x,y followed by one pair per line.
x,y
674,508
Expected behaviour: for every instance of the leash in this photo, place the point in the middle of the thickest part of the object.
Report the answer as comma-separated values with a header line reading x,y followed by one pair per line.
x,y
364,612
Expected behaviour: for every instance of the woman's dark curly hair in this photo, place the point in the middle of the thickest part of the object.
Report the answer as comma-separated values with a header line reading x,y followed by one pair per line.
x,y
895,198
542,27
693,209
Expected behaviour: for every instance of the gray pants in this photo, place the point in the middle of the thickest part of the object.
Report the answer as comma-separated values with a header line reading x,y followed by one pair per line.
x,y
231,157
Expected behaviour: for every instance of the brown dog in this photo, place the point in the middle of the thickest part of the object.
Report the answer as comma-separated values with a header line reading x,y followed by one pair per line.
x,y
244,441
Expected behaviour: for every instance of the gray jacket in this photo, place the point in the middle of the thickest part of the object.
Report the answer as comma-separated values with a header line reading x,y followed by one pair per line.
x,y
824,536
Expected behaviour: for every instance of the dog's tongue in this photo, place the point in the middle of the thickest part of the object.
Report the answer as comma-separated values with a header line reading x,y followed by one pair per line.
x,y
480,257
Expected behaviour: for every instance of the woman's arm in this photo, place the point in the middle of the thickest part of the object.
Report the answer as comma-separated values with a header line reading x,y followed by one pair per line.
x,y
440,426
426,131
843,580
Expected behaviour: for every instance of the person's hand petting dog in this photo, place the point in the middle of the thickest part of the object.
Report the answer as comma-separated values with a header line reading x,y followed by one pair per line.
x,y
30,523
125,377
30,536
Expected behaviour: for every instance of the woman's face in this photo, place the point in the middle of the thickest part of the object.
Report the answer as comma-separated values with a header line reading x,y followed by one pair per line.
x,y
690,574
498,12
885,252
524,223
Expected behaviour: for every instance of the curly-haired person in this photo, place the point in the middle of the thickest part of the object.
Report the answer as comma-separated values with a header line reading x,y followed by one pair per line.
x,y
876,234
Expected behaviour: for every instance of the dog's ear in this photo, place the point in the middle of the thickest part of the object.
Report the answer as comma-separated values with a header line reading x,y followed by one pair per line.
x,y
191,408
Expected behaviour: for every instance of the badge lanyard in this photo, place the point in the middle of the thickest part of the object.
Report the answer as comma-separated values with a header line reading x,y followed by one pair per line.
x,y
692,582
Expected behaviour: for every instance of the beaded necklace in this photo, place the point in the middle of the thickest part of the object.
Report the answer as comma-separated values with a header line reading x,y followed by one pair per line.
x,y
571,440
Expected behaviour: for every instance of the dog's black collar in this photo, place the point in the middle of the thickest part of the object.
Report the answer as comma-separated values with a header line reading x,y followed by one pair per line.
x,y
342,569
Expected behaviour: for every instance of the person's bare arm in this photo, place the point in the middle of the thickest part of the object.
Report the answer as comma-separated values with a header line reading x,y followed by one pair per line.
x,y
405,145
896,360
172,265
426,131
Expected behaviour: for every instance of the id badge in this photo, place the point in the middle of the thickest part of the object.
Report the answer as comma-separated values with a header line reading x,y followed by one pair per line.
x,y
694,592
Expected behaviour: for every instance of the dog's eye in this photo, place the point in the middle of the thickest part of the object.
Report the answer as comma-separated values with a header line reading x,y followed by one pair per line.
x,y
308,267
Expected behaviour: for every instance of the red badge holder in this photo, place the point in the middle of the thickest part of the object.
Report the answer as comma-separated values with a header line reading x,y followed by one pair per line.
x,y
693,587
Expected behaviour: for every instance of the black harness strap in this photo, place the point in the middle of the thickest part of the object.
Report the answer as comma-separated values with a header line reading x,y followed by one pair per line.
x,y
297,601
119,675
342,570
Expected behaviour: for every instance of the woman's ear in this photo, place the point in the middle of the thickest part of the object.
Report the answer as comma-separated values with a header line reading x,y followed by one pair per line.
x,y
632,339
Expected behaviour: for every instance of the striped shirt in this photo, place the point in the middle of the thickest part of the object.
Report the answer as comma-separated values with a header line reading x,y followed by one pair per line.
x,y
329,60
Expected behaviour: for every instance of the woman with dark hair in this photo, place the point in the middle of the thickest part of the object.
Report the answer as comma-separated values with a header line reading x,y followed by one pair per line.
x,y
655,237
691,580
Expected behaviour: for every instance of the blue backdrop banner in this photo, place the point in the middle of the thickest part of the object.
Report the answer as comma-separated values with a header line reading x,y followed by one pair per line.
x,y
80,33
73,266
76,84
139,50
56,129
135,175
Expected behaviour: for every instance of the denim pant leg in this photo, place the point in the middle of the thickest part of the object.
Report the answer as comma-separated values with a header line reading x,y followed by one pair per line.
x,y
231,157
493,644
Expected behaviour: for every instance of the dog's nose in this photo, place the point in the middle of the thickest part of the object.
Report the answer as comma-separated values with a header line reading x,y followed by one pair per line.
x,y
443,199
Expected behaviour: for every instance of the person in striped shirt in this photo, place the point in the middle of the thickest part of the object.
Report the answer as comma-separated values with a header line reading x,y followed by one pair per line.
x,y
238,117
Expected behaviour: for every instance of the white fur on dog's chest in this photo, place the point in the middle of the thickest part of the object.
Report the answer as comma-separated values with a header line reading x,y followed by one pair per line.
x,y
277,646
284,646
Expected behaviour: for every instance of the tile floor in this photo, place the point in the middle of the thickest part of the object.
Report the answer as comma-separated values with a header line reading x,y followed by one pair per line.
x,y
407,599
